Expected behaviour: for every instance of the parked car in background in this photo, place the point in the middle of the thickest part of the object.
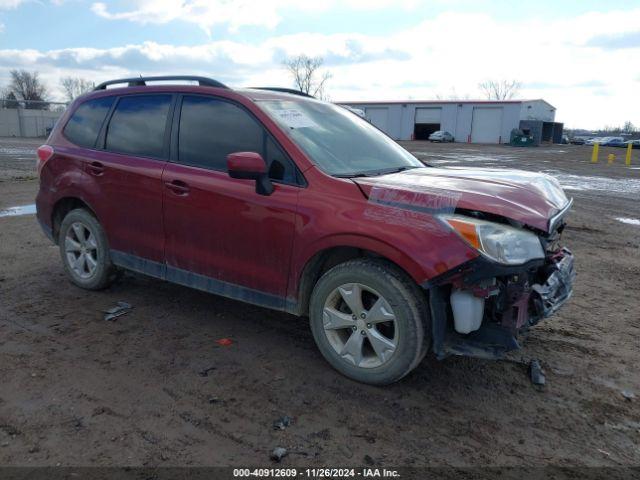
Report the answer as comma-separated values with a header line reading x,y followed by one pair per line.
x,y
564,140
577,140
613,142
441,136
357,111
298,205
594,140
634,143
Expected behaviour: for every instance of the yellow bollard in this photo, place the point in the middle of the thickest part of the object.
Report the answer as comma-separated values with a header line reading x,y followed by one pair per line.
x,y
594,154
611,158
627,160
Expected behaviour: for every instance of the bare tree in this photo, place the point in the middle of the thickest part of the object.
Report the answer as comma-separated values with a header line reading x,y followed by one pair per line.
x,y
27,86
9,100
628,127
500,89
74,87
306,74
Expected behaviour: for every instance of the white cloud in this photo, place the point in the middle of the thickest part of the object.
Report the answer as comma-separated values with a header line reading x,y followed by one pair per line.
x,y
232,13
9,4
590,85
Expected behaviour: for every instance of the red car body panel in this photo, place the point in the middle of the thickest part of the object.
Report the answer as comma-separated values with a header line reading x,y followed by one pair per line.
x,y
111,192
223,229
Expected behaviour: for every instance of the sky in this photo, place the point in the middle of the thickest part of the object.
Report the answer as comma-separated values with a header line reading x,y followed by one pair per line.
x,y
581,56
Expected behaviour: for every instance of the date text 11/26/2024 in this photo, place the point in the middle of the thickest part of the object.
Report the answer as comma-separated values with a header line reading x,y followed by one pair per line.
x,y
316,473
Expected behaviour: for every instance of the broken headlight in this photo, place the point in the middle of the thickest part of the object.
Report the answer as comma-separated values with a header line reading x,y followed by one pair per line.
x,y
501,243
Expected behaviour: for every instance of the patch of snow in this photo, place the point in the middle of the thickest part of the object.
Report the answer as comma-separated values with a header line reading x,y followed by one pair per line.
x,y
629,221
17,151
619,186
21,210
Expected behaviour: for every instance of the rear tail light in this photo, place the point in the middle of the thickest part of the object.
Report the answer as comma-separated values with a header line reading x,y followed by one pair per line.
x,y
44,152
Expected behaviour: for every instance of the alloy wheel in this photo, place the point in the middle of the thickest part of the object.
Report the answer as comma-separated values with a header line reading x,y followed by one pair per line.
x,y
81,249
360,325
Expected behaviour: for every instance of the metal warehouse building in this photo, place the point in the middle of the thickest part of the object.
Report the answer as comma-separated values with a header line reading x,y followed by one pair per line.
x,y
468,121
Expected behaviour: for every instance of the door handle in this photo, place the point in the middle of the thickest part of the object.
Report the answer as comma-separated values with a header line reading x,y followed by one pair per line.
x,y
95,168
178,187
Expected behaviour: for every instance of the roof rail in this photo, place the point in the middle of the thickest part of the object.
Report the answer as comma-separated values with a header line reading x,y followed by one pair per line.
x,y
285,90
142,81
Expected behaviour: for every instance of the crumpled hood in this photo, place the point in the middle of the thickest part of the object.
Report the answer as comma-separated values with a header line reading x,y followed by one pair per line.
x,y
527,197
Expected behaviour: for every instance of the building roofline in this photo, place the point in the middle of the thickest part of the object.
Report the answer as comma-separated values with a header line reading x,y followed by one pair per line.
x,y
435,102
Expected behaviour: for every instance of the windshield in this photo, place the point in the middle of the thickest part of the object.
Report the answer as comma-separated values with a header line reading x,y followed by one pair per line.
x,y
339,142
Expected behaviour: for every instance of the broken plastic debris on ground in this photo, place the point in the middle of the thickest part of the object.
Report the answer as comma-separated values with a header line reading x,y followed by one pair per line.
x,y
282,423
121,308
536,373
278,454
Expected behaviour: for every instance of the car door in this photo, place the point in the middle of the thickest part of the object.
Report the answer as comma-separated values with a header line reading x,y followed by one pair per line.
x,y
222,236
128,171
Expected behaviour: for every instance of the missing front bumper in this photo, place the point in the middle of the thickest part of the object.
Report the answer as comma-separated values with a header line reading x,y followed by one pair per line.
x,y
551,295
526,295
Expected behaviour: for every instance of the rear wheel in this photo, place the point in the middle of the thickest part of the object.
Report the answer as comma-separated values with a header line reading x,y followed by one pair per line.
x,y
85,251
370,321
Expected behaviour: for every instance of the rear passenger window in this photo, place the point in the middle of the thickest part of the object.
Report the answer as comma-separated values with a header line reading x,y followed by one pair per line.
x,y
85,123
210,129
138,125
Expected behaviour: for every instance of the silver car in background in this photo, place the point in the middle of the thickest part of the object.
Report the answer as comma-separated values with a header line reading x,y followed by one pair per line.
x,y
441,136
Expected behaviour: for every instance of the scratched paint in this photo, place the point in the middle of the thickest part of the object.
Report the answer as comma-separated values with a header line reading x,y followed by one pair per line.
x,y
410,204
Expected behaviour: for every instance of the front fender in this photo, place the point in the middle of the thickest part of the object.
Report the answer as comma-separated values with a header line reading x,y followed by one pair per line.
x,y
363,242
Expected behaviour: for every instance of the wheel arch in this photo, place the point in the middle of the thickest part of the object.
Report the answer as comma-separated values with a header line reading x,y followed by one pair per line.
x,y
328,257
62,207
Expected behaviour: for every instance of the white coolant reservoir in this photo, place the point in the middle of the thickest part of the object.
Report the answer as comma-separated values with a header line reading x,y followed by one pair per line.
x,y
467,310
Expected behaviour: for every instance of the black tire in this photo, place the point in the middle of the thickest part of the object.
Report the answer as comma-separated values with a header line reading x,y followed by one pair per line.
x,y
105,273
409,305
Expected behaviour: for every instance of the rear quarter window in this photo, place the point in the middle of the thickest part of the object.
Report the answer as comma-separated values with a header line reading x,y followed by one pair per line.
x,y
85,123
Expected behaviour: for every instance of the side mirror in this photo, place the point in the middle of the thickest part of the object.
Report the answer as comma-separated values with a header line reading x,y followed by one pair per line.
x,y
250,166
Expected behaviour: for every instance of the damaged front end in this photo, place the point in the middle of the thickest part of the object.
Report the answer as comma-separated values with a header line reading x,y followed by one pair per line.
x,y
482,307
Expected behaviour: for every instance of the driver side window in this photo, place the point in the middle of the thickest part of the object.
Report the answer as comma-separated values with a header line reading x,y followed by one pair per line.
x,y
210,129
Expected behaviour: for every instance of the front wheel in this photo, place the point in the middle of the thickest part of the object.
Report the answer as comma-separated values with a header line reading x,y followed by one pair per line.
x,y
370,321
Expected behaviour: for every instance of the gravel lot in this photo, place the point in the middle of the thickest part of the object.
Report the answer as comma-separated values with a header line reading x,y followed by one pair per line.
x,y
154,388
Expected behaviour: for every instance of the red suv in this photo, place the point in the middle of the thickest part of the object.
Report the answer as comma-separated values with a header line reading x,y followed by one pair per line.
x,y
284,201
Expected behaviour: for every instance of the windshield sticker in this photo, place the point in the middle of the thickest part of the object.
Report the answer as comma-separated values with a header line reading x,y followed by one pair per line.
x,y
294,118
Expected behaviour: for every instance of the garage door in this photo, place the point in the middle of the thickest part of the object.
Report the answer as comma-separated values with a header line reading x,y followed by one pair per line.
x,y
379,117
428,115
486,125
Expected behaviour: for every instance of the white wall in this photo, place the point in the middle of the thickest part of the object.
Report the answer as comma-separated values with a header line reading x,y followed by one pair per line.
x,y
18,122
537,110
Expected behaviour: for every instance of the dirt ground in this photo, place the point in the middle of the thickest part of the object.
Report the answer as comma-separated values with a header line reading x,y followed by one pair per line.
x,y
154,388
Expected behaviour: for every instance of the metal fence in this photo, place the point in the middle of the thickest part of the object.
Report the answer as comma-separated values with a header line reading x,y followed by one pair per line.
x,y
9,103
